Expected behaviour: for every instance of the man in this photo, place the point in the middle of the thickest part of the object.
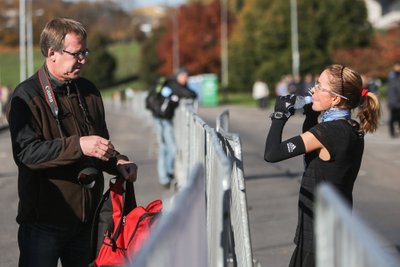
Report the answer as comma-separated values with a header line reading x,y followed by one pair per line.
x,y
61,145
173,90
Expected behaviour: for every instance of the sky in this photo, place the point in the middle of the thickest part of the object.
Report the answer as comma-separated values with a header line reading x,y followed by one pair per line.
x,y
129,4
141,3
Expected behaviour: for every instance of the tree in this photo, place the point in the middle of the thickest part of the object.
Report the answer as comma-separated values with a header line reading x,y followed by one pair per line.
x,y
243,51
104,17
376,60
199,39
100,65
149,60
261,42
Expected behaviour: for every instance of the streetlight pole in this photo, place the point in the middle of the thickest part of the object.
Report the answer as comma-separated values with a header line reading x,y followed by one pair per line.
x,y
29,36
22,40
224,44
295,38
175,41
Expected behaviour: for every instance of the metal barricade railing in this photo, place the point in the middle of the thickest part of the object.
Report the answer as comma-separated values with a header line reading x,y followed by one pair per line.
x,y
227,231
180,236
217,186
343,240
240,242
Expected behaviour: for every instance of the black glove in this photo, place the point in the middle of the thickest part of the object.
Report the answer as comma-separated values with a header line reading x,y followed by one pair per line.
x,y
128,171
284,107
309,112
311,117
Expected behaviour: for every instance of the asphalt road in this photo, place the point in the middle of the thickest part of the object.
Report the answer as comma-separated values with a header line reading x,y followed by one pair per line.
x,y
272,189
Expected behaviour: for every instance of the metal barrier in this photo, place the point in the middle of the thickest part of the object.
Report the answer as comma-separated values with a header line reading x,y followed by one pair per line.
x,y
180,236
240,243
343,240
227,232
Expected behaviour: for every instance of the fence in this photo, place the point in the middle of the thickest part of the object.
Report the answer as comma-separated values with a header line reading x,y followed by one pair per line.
x,y
227,236
343,240
180,237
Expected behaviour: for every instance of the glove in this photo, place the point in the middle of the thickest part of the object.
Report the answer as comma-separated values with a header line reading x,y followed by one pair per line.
x,y
309,112
284,107
128,171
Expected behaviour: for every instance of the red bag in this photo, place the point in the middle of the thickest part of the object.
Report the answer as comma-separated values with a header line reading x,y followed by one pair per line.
x,y
120,226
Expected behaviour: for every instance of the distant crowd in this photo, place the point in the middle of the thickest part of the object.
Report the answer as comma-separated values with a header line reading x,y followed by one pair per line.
x,y
5,93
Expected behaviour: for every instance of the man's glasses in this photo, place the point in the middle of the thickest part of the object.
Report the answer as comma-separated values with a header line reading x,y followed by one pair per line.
x,y
80,55
318,87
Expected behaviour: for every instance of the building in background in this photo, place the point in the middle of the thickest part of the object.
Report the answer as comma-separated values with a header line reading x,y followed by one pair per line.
x,y
383,14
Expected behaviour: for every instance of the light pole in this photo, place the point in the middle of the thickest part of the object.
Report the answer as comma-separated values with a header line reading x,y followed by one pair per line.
x,y
26,38
22,40
295,38
224,44
175,41
29,36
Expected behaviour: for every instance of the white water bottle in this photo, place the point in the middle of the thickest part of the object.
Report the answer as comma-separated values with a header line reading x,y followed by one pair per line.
x,y
301,101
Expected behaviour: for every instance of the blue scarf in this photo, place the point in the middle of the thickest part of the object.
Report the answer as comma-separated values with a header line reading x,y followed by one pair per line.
x,y
336,113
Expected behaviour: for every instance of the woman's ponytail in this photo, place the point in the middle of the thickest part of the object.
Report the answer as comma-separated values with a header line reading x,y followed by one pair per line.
x,y
369,112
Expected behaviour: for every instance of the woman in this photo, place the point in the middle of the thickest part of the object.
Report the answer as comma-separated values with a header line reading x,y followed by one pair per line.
x,y
333,148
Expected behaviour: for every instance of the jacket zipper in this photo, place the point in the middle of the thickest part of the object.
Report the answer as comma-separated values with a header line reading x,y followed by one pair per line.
x,y
78,131
83,204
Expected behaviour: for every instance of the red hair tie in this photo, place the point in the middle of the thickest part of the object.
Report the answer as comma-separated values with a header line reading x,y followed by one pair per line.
x,y
364,92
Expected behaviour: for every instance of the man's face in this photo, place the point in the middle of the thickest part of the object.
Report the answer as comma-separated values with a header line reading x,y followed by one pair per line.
x,y
67,64
182,78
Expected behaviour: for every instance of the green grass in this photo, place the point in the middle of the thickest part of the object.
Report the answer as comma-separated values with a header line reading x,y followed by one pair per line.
x,y
127,56
235,98
9,66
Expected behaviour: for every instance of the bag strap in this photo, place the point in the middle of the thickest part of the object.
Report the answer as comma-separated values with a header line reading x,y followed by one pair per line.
x,y
128,203
49,96
95,223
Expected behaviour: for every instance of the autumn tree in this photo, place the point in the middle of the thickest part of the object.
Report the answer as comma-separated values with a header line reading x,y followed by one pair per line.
x,y
199,39
376,60
104,17
9,23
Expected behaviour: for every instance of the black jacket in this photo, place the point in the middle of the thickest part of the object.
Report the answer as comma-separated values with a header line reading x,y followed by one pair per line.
x,y
48,159
167,105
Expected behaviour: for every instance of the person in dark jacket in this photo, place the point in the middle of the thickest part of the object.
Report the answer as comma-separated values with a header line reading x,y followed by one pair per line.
x,y
173,90
333,148
61,146
393,100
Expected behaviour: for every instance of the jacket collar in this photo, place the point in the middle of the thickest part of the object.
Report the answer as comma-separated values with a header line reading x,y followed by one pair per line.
x,y
61,87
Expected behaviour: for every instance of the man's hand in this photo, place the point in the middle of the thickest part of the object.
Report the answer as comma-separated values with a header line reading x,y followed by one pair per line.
x,y
127,169
97,147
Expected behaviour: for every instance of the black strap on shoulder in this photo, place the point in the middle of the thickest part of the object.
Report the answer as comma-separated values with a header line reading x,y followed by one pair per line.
x,y
128,203
49,96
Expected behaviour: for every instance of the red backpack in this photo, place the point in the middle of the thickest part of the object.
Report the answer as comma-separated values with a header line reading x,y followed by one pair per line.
x,y
120,226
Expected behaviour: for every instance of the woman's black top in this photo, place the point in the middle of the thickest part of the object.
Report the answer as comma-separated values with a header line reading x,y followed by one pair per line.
x,y
345,144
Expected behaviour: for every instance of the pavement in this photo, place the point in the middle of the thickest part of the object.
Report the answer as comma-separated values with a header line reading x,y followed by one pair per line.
x,y
272,189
